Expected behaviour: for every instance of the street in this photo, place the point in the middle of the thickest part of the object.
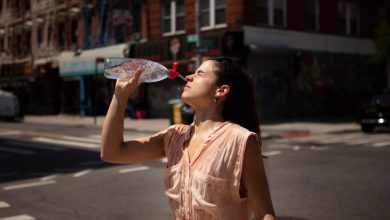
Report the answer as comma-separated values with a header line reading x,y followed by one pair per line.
x,y
54,172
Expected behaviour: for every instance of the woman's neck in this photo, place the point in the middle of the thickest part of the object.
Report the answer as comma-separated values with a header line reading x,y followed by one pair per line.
x,y
206,121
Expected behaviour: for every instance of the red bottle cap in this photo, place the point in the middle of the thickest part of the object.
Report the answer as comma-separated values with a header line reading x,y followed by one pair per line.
x,y
172,73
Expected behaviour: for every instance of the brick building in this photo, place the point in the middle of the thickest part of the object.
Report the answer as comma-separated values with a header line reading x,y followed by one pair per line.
x,y
308,57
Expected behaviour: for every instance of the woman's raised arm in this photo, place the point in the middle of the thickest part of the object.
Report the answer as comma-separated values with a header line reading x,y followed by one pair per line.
x,y
113,147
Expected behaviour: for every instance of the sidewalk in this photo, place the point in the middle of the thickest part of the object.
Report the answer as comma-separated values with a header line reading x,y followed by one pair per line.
x,y
275,130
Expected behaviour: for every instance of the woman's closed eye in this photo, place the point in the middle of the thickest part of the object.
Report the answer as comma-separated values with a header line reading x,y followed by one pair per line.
x,y
200,73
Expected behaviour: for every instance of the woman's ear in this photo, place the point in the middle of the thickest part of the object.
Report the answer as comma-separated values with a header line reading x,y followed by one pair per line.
x,y
222,91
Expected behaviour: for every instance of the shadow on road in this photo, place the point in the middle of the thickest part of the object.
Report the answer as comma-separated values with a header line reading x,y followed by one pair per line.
x,y
23,160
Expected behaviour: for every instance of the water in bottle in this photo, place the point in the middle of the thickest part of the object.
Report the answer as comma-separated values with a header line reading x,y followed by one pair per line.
x,y
125,69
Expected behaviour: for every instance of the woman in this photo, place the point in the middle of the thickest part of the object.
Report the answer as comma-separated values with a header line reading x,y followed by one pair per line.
x,y
215,168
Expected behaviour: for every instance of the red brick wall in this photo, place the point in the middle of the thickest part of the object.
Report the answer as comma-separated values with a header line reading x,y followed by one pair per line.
x,y
297,15
249,12
154,19
328,16
234,13
189,18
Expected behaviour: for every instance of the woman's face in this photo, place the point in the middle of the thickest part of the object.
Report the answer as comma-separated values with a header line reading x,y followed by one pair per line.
x,y
200,88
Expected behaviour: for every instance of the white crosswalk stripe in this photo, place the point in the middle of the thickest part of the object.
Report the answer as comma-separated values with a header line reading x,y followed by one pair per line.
x,y
10,133
4,205
355,139
19,217
27,185
134,169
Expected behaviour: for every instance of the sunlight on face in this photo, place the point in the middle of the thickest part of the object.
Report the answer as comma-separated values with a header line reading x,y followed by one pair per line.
x,y
201,87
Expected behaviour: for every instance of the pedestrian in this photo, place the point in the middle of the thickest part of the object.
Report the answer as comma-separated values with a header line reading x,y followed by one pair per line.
x,y
215,169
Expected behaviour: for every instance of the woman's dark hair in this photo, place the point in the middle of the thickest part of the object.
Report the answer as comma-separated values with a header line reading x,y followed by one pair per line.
x,y
240,105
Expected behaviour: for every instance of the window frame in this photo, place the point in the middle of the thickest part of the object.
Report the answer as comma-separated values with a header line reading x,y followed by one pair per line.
x,y
317,16
173,17
347,16
212,14
271,18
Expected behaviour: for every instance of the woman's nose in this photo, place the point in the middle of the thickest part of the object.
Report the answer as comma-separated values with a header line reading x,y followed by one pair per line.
x,y
189,77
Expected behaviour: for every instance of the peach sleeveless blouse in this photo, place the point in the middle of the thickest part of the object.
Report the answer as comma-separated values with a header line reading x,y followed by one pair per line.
x,y
208,187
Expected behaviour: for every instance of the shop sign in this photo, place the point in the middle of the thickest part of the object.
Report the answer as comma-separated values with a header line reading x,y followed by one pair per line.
x,y
192,38
78,67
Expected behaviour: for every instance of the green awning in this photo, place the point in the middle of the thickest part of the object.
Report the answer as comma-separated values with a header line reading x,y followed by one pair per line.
x,y
85,63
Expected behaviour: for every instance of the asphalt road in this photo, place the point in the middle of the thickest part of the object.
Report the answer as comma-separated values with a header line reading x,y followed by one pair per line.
x,y
54,172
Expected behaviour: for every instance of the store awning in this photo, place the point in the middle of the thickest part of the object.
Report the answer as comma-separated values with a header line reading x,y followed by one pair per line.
x,y
84,63
268,40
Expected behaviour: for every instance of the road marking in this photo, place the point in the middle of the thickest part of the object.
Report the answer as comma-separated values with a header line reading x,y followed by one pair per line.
x,y
95,136
164,160
35,145
46,178
134,169
26,185
81,173
68,143
381,144
16,151
8,174
272,153
296,147
10,133
318,148
82,139
4,204
19,217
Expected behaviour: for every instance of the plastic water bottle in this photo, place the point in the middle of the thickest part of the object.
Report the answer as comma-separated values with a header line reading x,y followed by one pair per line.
x,y
125,69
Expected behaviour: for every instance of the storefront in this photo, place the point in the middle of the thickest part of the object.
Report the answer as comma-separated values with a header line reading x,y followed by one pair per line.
x,y
300,74
85,90
182,49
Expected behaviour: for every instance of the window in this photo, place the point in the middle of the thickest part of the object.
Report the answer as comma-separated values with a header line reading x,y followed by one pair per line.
x,y
348,18
40,35
1,44
220,12
173,17
313,15
212,13
27,5
28,42
61,35
18,9
1,7
74,27
271,12
204,13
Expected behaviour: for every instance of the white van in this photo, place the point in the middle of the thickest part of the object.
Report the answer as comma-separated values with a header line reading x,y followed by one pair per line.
x,y
9,106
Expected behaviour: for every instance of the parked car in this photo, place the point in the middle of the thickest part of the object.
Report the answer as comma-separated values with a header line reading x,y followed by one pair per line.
x,y
375,113
9,106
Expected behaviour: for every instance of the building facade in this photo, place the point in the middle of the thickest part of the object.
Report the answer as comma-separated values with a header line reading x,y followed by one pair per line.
x,y
307,57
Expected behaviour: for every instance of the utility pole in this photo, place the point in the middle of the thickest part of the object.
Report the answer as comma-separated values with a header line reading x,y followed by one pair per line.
x,y
197,32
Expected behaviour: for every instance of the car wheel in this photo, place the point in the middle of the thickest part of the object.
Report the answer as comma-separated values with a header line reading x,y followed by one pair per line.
x,y
368,128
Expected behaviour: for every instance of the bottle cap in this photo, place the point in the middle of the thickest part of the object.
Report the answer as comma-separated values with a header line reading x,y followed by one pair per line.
x,y
172,73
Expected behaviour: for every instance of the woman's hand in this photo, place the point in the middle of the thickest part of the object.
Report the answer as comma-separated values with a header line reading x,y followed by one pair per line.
x,y
123,89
